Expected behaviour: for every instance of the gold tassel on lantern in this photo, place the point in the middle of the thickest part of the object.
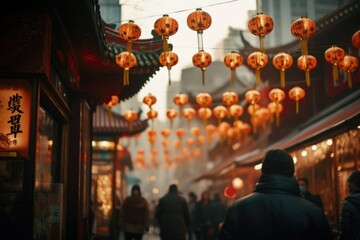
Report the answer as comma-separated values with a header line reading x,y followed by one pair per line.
x,y
348,76
257,76
304,47
307,77
282,78
126,77
335,71
262,45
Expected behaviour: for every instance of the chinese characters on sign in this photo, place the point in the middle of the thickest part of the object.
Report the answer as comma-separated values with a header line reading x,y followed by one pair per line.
x,y
15,108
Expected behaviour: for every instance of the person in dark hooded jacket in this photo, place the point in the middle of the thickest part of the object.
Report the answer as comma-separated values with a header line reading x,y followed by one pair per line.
x,y
135,215
350,210
276,209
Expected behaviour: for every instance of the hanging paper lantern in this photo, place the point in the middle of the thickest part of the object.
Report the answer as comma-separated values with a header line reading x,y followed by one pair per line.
x,y
348,64
282,61
176,143
165,132
334,55
152,137
244,129
110,102
180,132
261,25
252,97
165,27
257,60
129,32
190,141
149,100
233,60
200,140
275,109
236,111
152,114
188,113
229,98
296,93
277,95
303,28
252,109
355,39
199,21
204,114
222,130
210,130
180,100
307,63
202,60
203,99
171,114
168,59
130,116
263,114
220,112
196,131
126,60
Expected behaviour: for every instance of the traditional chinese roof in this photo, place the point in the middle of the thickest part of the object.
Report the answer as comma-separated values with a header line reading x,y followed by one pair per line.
x,y
110,123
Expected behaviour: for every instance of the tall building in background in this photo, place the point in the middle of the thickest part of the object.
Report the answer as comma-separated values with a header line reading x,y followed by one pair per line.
x,y
285,12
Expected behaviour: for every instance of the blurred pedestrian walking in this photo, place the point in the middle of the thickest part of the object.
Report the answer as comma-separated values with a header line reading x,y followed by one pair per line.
x,y
202,217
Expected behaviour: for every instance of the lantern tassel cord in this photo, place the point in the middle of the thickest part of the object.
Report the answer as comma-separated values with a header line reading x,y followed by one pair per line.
x,y
304,47
200,40
282,78
348,76
307,77
277,112
257,77
203,76
232,77
169,76
262,45
129,46
335,71
297,106
165,44
126,77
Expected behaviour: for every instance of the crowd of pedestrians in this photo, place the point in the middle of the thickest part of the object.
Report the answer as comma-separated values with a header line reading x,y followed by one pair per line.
x,y
280,207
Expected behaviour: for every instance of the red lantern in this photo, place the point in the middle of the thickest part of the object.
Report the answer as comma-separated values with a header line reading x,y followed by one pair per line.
x,y
229,98
282,61
199,21
236,111
202,60
355,39
348,64
204,113
233,60
180,132
252,97
126,60
165,27
257,60
165,132
196,131
129,32
149,100
307,63
275,109
111,101
277,95
334,55
210,131
303,28
204,99
180,100
261,25
168,59
130,116
296,93
171,114
220,112
222,130
188,113
152,114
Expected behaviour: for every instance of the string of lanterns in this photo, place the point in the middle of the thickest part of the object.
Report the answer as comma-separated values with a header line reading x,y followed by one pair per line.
x,y
260,25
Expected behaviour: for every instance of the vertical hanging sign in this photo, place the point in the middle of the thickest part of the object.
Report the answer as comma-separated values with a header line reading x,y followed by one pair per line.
x,y
15,112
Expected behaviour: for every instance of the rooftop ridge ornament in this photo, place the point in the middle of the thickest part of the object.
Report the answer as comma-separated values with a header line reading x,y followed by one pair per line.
x,y
166,26
199,21
303,28
261,25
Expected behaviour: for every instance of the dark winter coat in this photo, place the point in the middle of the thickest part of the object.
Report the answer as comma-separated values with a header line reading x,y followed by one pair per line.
x,y
135,215
173,217
350,217
275,211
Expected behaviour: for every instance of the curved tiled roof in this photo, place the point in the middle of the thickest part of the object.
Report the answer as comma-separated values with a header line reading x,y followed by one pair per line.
x,y
116,124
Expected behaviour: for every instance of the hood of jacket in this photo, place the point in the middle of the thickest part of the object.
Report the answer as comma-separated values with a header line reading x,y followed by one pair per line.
x,y
277,184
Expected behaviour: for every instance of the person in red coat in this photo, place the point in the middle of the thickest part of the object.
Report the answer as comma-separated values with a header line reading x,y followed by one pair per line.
x,y
135,215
